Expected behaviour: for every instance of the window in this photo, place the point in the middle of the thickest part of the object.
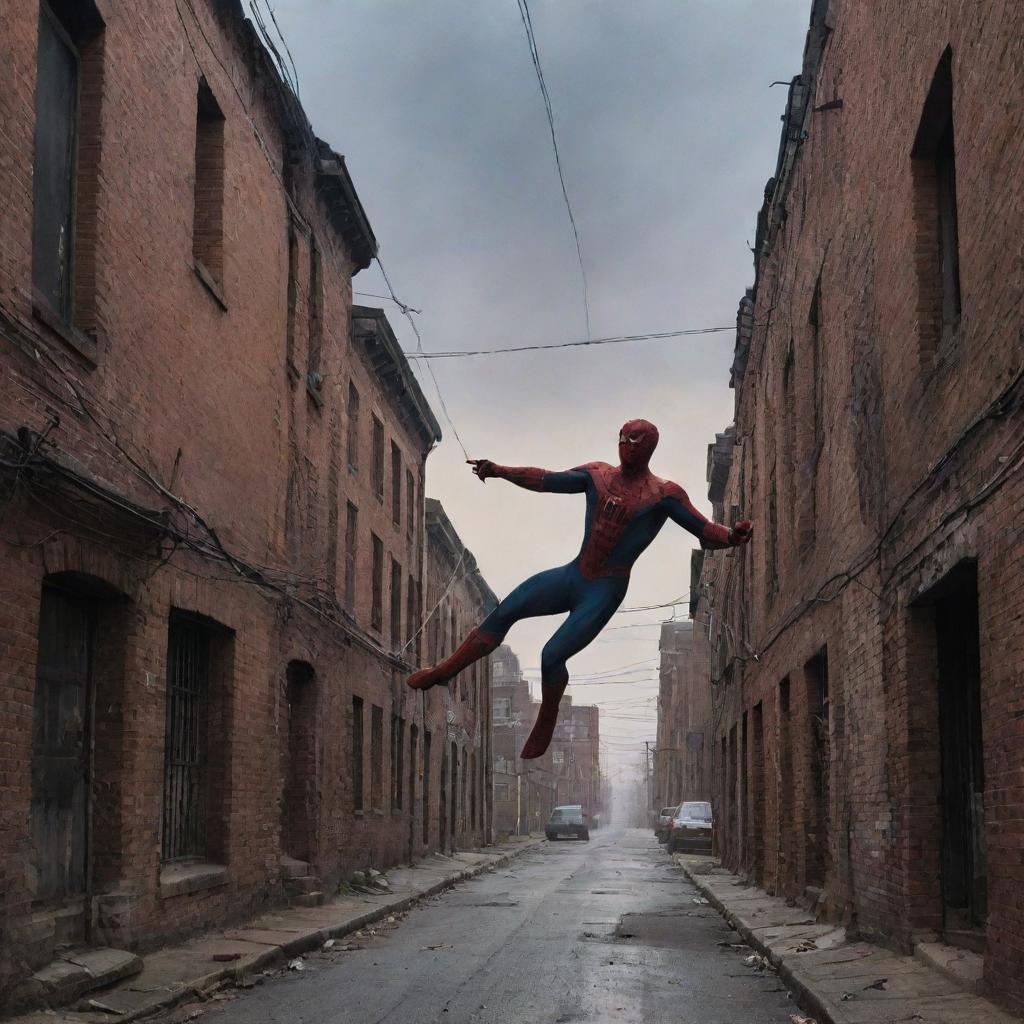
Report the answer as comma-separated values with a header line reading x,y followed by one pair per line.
x,y
208,210
501,791
315,312
357,754
397,760
396,484
351,535
558,757
502,709
410,499
377,757
378,458
396,604
353,428
377,583
65,175
195,725
410,609
426,786
933,162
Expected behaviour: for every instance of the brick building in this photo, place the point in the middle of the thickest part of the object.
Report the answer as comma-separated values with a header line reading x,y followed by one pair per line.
x,y
211,498
865,654
575,757
681,763
524,791
459,715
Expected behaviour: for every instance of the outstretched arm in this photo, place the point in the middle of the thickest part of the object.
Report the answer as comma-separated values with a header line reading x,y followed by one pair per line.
x,y
711,535
572,481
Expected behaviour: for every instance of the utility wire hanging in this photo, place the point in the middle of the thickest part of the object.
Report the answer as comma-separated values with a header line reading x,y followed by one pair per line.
x,y
619,339
524,14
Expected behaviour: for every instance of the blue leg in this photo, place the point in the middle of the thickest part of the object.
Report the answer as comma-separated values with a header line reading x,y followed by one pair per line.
x,y
599,601
547,593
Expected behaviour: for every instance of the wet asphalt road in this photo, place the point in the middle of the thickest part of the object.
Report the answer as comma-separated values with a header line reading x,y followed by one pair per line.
x,y
599,931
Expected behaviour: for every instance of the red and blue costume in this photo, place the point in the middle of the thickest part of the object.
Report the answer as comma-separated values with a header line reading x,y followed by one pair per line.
x,y
627,505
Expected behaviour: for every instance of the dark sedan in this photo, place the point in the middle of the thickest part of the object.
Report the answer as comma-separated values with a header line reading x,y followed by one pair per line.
x,y
567,822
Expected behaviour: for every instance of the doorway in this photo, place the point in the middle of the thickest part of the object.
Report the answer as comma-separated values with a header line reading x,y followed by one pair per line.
x,y
61,762
963,860
298,775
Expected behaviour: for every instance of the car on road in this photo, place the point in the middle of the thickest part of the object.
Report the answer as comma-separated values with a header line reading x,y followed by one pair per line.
x,y
690,829
664,820
567,821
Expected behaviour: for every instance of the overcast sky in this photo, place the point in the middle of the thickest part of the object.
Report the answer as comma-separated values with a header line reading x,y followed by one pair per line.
x,y
668,131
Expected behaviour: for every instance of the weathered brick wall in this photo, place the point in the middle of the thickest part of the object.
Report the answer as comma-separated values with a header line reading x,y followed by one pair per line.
x,y
874,460
200,466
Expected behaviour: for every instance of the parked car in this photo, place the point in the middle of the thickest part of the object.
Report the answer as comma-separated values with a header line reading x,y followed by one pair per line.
x,y
567,821
664,820
690,829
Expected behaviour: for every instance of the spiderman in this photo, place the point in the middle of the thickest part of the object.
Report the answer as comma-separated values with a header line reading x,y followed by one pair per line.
x,y
626,507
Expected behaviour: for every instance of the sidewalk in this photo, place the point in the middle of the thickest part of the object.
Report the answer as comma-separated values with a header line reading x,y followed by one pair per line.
x,y
840,982
177,973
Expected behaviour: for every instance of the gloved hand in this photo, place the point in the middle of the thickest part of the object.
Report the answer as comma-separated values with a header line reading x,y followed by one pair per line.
x,y
483,468
741,532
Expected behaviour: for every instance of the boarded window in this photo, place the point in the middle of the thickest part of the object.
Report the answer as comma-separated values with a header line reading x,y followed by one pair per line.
x,y
502,709
396,484
501,791
377,757
208,211
377,584
396,604
351,541
357,753
353,428
69,81
378,458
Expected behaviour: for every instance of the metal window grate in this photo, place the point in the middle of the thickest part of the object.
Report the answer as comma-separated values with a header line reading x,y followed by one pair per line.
x,y
185,761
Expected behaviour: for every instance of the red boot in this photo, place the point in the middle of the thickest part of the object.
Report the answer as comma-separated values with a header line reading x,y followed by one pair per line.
x,y
477,645
547,719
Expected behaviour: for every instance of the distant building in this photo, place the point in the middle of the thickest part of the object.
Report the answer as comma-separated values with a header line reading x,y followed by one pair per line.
x,y
681,754
575,757
458,718
524,791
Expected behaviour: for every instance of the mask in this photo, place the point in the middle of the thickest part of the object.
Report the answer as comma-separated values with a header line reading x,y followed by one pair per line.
x,y
637,441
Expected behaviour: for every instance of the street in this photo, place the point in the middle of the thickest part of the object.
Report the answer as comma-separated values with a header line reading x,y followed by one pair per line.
x,y
599,931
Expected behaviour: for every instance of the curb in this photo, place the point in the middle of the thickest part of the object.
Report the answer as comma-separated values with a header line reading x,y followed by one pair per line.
x,y
204,984
307,941
802,993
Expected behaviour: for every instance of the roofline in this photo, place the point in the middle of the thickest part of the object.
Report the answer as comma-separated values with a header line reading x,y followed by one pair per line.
x,y
377,344
440,526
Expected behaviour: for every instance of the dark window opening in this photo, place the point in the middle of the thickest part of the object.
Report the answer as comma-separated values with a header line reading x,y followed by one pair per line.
x,y
397,760
352,443
818,817
426,786
357,754
410,610
298,810
396,484
315,314
410,497
208,212
757,796
378,458
396,604
377,757
377,584
414,749
66,162
351,542
786,794
195,746
937,254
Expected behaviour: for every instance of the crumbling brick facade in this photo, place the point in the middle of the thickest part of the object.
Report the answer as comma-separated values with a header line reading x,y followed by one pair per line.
x,y
866,691
459,714
212,536
575,757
